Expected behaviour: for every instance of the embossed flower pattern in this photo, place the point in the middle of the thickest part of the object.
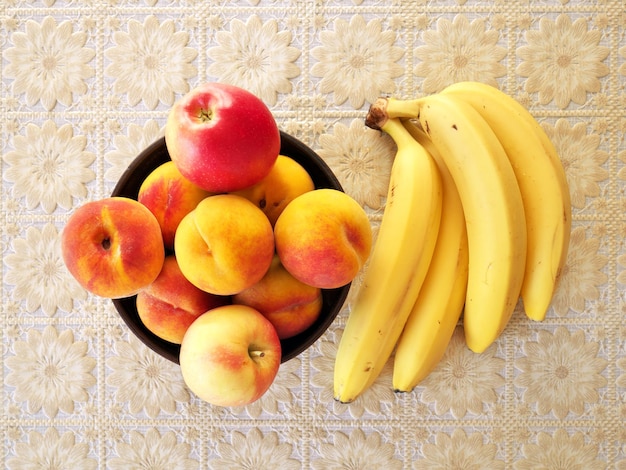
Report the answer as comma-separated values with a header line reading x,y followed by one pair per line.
x,y
362,159
563,61
582,275
463,380
49,166
560,450
255,449
129,146
255,56
459,50
582,158
151,62
459,450
38,274
145,380
152,449
357,61
561,372
50,371
356,449
51,448
49,62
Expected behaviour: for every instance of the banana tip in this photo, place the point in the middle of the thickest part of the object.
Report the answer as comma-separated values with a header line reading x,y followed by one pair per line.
x,y
345,402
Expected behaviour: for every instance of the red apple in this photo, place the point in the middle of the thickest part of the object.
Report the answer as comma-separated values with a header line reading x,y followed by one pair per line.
x,y
113,247
230,355
221,137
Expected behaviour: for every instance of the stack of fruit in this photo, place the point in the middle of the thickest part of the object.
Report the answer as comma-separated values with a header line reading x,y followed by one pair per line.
x,y
478,214
227,247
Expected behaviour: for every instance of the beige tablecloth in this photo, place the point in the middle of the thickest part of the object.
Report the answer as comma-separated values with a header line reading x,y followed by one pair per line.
x,y
87,84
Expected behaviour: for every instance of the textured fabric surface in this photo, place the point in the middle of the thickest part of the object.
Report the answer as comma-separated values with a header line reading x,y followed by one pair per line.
x,y
85,85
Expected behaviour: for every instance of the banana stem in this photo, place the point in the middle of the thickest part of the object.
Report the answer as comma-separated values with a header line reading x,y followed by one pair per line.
x,y
384,109
377,114
396,108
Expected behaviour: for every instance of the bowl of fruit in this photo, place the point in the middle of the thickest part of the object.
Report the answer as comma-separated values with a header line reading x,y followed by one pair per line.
x,y
227,246
333,299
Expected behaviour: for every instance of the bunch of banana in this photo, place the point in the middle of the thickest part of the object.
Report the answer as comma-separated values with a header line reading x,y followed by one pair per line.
x,y
499,205
492,205
397,266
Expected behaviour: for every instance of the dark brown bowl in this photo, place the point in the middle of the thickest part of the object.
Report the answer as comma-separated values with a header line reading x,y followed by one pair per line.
x,y
333,299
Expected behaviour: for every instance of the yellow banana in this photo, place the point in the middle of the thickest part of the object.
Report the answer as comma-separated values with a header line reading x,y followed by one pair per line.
x,y
492,204
397,266
542,183
436,312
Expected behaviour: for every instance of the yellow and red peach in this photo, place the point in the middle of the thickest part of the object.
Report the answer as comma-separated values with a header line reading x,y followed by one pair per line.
x,y
287,180
171,303
169,196
230,355
113,247
224,245
323,238
289,304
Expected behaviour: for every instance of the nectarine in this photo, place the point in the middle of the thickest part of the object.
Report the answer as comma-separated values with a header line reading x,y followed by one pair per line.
x,y
171,303
323,238
224,245
169,196
289,304
287,180
113,247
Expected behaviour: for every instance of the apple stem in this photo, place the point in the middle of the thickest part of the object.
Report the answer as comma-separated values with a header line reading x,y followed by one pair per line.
x,y
254,354
205,115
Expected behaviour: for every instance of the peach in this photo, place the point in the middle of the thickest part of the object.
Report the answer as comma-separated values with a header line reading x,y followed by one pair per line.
x,y
224,245
289,304
171,303
230,356
323,238
287,180
169,196
113,247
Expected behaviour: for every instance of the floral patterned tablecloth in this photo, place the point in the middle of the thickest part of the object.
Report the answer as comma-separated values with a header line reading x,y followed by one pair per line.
x,y
86,85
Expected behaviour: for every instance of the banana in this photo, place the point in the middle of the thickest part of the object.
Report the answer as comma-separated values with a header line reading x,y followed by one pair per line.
x,y
492,204
436,312
397,265
542,183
